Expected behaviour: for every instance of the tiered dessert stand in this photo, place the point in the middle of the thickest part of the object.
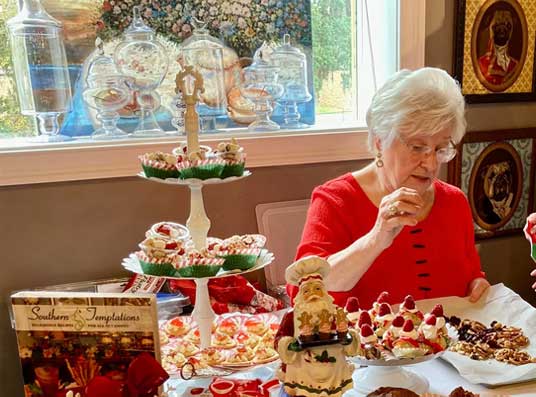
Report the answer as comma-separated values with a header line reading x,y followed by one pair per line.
x,y
198,222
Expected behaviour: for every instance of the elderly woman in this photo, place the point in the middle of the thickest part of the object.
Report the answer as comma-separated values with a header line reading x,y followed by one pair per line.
x,y
392,225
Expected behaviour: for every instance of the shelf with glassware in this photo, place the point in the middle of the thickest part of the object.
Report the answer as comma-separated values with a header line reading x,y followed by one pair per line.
x,y
175,251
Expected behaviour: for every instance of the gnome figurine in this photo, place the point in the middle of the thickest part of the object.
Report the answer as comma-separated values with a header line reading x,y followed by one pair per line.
x,y
313,369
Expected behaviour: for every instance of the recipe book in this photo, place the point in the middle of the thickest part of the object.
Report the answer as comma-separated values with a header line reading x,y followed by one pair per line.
x,y
65,339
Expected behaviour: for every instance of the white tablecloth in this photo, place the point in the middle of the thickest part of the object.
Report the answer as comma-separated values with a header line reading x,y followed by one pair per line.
x,y
444,378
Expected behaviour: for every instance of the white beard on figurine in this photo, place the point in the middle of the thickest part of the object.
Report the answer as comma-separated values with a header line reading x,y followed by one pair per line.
x,y
313,353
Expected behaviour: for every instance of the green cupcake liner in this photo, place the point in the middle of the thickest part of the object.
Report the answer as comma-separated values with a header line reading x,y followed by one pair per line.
x,y
236,169
198,271
239,261
160,173
202,172
154,269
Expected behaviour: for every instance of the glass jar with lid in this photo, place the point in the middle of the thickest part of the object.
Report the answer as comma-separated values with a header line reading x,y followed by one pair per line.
x,y
105,91
205,53
40,66
143,60
261,87
292,65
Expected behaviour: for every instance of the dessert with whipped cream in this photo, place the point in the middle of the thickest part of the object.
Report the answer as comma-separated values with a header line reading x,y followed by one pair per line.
x,y
255,326
369,342
229,326
223,340
240,355
382,298
352,310
169,231
177,327
393,332
196,263
409,311
264,353
383,319
159,165
408,344
433,339
240,252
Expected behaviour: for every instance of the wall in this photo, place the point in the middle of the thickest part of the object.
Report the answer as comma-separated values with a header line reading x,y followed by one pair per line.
x,y
66,232
504,259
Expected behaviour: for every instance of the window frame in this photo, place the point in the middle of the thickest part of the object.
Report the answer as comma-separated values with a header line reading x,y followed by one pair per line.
x,y
318,144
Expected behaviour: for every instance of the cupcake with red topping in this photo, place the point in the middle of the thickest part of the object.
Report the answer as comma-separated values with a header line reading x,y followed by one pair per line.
x,y
382,298
429,331
241,252
169,231
409,311
383,319
156,259
393,332
369,342
199,165
198,264
352,310
233,156
408,345
159,165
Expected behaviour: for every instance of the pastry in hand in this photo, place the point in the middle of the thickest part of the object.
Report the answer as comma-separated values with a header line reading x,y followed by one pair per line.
x,y
432,338
383,319
408,345
369,343
393,332
409,311
382,298
352,310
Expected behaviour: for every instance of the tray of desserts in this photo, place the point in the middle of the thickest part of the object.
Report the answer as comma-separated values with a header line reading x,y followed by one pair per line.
x,y
194,181
403,336
496,337
239,341
168,251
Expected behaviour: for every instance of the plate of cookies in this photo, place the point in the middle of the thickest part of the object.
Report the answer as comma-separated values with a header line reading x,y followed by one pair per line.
x,y
496,337
239,341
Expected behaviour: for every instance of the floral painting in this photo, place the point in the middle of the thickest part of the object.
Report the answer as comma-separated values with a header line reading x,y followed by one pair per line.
x,y
241,24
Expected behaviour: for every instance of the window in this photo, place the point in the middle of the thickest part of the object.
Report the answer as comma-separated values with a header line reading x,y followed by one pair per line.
x,y
349,63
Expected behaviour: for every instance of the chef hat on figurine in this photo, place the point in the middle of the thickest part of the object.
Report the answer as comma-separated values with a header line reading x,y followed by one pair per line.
x,y
307,269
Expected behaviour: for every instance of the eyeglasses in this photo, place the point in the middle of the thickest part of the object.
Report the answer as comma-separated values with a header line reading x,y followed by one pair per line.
x,y
443,154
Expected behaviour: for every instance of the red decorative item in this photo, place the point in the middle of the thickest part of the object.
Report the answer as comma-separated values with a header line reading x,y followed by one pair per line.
x,y
237,388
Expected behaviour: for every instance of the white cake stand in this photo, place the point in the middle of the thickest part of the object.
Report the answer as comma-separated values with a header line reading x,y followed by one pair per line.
x,y
388,373
202,313
198,223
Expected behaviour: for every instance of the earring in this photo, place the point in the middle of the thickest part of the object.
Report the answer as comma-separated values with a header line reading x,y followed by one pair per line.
x,y
379,161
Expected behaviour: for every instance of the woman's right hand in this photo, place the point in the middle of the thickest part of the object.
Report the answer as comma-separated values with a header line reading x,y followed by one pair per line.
x,y
398,209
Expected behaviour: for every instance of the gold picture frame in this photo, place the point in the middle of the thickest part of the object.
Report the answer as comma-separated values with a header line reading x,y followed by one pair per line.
x,y
497,175
495,50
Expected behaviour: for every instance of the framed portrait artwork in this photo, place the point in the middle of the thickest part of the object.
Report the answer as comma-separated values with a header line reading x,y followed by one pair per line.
x,y
495,49
498,178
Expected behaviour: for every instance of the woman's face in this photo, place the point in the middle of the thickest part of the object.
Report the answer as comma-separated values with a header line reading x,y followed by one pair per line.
x,y
406,167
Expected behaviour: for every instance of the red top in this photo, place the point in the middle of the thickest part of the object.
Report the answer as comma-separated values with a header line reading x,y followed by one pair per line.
x,y
437,257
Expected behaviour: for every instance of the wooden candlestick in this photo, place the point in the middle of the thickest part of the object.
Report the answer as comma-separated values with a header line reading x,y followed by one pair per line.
x,y
190,83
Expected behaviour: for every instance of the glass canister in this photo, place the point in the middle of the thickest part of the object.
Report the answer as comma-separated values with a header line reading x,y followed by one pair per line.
x,y
40,66
143,60
261,86
292,65
105,91
205,54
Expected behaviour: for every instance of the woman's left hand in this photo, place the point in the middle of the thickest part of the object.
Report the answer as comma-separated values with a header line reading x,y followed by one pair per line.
x,y
477,288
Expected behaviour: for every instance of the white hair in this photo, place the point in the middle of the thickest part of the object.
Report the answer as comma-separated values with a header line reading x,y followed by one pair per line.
x,y
421,102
